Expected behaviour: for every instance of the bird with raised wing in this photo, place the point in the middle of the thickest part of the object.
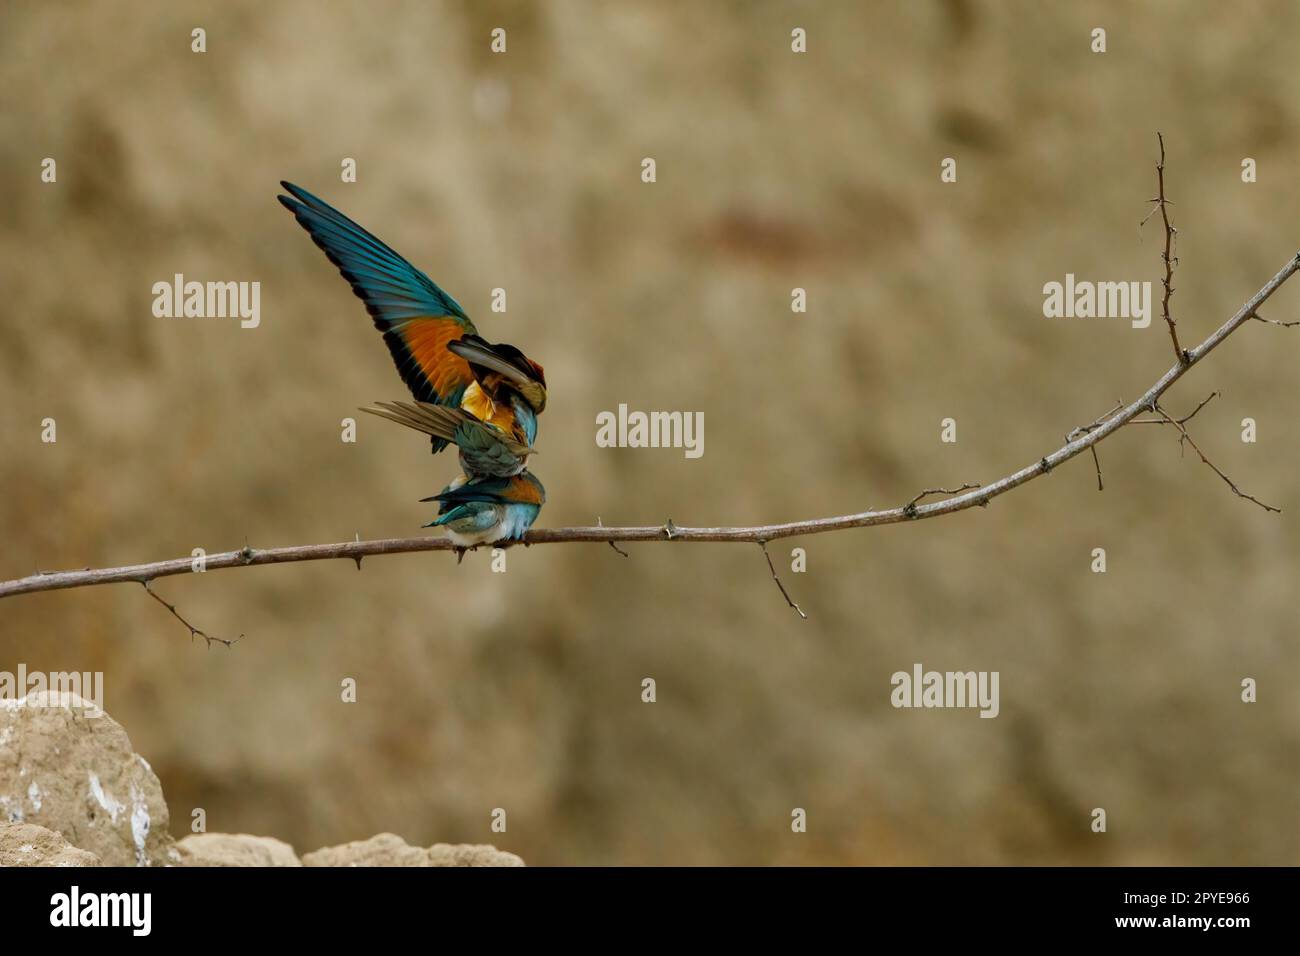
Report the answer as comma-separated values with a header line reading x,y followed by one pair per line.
x,y
435,346
482,397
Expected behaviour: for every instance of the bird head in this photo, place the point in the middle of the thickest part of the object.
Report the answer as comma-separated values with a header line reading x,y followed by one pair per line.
x,y
502,366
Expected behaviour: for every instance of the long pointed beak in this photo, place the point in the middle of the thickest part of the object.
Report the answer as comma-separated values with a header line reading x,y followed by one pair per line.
x,y
488,359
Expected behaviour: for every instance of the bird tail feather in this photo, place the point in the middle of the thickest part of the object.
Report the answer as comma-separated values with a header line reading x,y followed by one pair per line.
x,y
436,420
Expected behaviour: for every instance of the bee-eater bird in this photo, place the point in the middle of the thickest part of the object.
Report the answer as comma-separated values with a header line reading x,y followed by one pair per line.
x,y
491,394
488,510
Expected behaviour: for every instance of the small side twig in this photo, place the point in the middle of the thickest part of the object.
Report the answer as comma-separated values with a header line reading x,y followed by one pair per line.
x,y
784,593
194,631
612,544
1097,464
1095,424
1184,437
1178,421
1168,256
1085,429
910,508
1286,325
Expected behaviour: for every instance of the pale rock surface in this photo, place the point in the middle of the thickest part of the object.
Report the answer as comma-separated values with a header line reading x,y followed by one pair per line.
x,y
234,849
387,849
78,775
74,793
26,844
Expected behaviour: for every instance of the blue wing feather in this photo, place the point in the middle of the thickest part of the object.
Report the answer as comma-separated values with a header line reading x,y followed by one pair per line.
x,y
391,287
416,317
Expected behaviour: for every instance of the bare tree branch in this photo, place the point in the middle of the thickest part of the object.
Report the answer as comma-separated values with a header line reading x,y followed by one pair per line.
x,y
1084,429
1097,423
354,550
910,507
194,631
1184,437
1168,256
1181,421
968,495
784,593
1285,325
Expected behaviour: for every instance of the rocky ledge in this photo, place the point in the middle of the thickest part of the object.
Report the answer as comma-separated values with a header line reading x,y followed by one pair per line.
x,y
73,792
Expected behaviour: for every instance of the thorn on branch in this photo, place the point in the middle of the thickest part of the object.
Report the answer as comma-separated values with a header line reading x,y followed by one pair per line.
x,y
670,529
784,593
357,557
1185,438
194,631
612,544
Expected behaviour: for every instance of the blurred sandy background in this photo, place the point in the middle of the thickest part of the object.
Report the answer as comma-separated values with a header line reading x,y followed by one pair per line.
x,y
522,690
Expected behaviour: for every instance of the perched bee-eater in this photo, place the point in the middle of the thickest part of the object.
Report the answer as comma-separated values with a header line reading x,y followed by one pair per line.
x,y
489,395
488,510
